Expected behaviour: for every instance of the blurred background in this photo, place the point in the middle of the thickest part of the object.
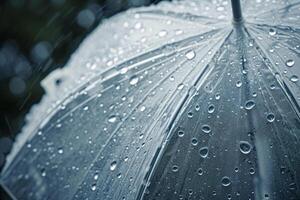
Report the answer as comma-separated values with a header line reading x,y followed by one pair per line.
x,y
36,37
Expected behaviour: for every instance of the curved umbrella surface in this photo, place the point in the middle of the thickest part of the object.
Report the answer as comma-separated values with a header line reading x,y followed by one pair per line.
x,y
174,103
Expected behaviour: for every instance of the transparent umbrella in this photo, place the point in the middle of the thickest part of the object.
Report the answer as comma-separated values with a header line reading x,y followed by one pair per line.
x,y
174,101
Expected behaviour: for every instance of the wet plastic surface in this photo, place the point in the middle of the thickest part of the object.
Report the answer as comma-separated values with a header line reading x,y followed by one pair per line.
x,y
176,104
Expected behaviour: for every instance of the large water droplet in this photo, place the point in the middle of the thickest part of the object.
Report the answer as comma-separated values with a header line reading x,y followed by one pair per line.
x,y
226,181
85,108
178,32
203,152
200,171
238,84
180,86
190,115
270,117
194,141
96,176
211,108
43,172
60,150
245,147
133,80
206,128
249,104
272,31
113,165
112,119
162,33
94,187
175,168
190,55
290,63
294,78
138,25
180,133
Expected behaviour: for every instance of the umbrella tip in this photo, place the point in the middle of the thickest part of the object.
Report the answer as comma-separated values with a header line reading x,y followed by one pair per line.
x,y
236,11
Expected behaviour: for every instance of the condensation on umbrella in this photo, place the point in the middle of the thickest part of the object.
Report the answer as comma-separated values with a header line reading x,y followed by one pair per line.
x,y
199,110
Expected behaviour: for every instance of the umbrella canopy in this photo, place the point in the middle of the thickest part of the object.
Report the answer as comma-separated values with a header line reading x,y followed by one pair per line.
x,y
173,101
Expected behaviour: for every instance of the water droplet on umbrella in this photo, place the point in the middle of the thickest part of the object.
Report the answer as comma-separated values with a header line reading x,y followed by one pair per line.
x,y
113,165
124,70
203,152
190,55
290,63
180,133
238,84
178,32
211,109
249,104
272,87
194,141
294,78
245,147
292,186
60,151
180,86
206,128
96,176
200,171
119,175
85,108
270,117
175,168
143,108
138,25
133,80
220,8
141,136
112,119
162,33
94,187
43,172
252,171
272,31
226,181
